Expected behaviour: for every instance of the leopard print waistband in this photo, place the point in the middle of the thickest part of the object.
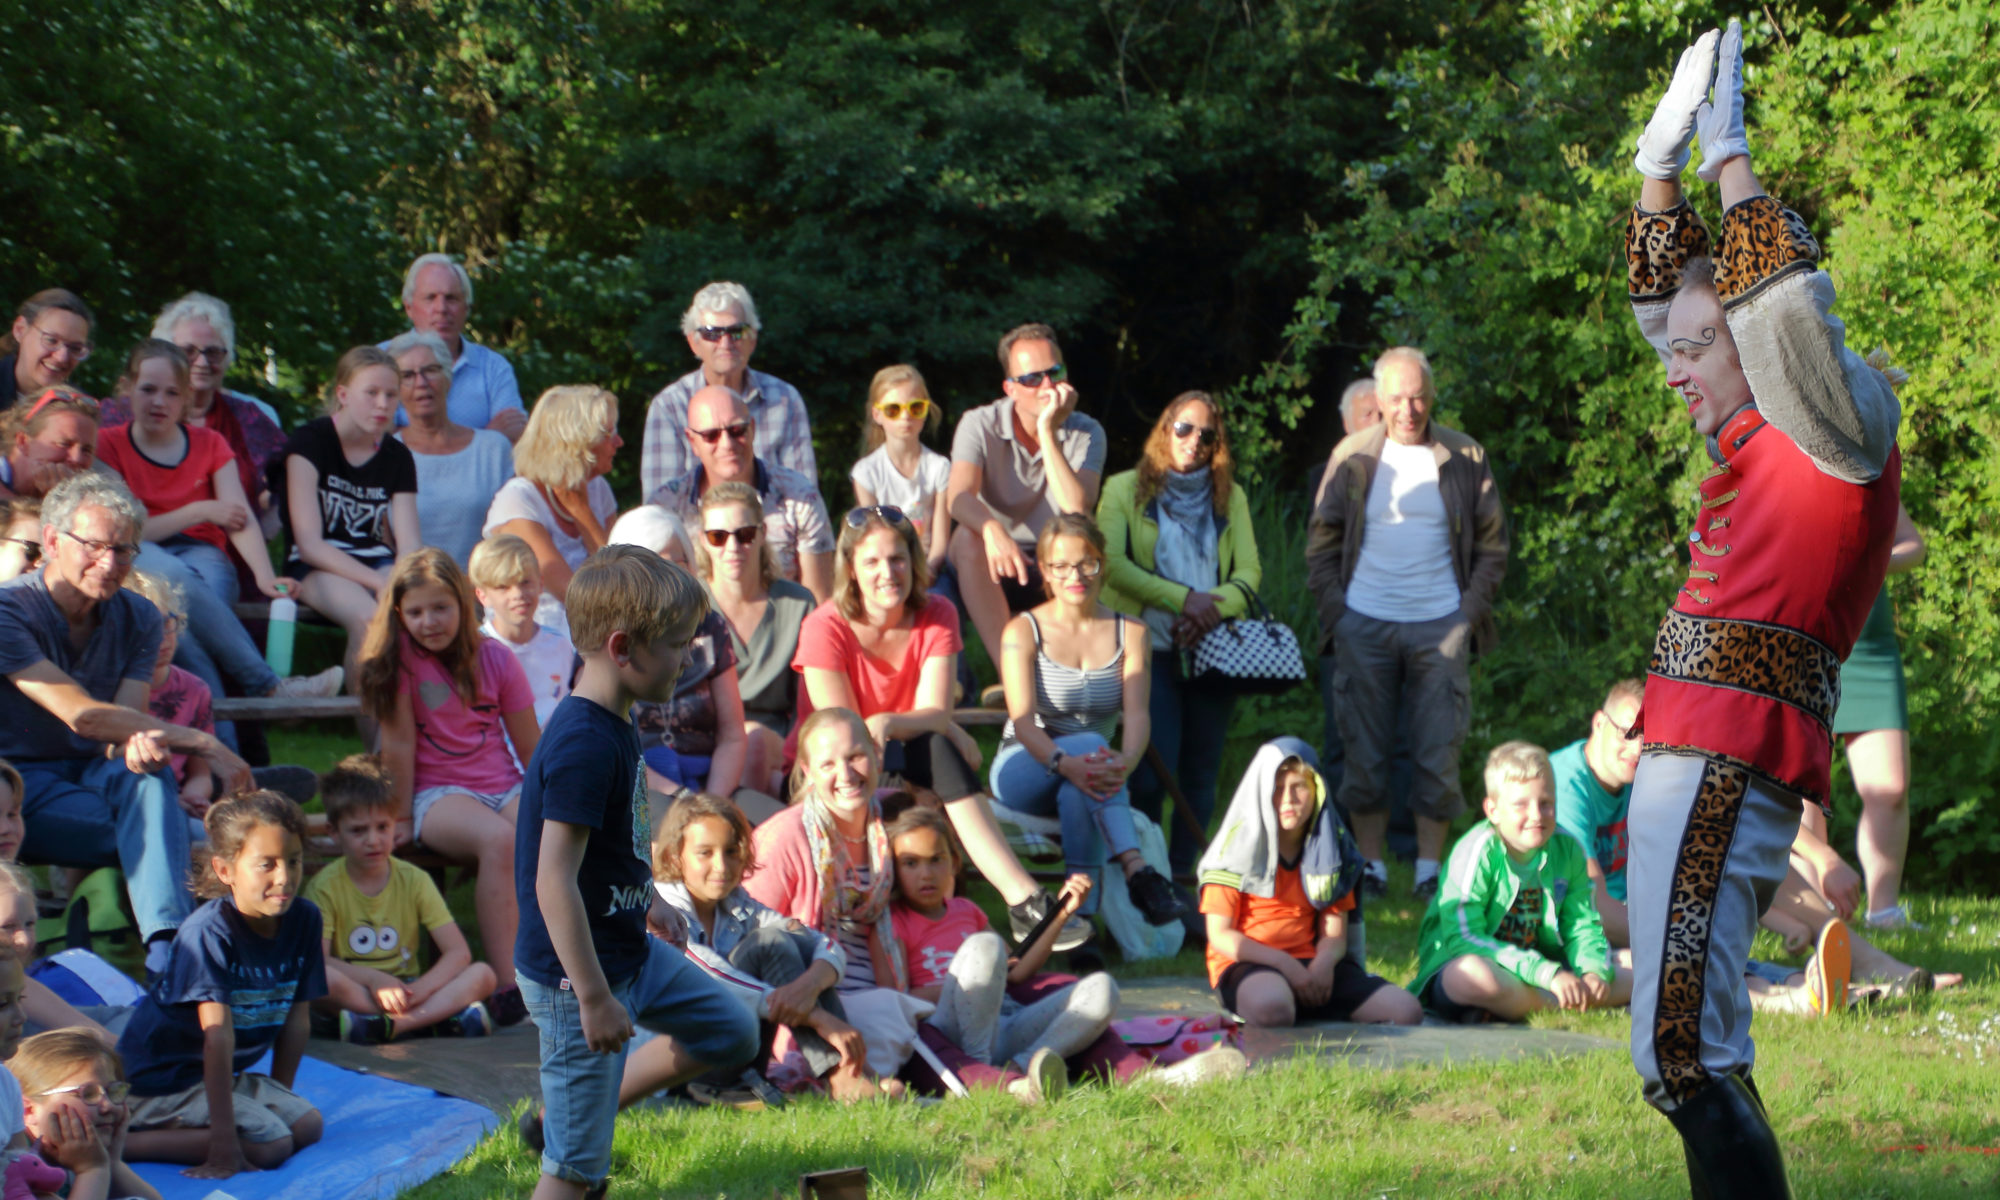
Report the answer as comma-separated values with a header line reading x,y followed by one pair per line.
x,y
1747,656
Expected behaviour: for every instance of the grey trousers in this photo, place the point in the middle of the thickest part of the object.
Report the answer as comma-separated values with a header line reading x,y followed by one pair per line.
x,y
975,1012
777,957
1415,669
1710,843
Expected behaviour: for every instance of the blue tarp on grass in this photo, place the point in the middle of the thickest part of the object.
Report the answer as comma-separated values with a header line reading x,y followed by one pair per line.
x,y
381,1137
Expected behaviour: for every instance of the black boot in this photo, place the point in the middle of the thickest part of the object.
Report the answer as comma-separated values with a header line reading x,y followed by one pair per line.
x,y
1731,1152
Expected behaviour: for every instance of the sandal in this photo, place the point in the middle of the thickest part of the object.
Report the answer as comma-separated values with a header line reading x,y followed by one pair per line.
x,y
1828,971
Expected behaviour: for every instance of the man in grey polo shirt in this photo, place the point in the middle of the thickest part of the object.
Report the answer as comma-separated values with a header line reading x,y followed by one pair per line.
x,y
1004,488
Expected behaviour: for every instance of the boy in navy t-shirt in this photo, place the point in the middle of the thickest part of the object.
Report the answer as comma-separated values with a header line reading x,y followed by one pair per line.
x,y
587,966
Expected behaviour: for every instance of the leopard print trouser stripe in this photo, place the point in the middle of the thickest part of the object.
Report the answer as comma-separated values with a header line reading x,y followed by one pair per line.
x,y
1768,660
1697,882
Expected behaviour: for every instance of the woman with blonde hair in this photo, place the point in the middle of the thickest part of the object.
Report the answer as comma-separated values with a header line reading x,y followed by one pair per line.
x,y
899,469
559,501
1182,557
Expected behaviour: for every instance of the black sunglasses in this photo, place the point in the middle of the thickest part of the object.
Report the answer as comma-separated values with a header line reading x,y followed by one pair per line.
x,y
1184,428
1034,379
858,517
719,538
715,333
738,432
30,548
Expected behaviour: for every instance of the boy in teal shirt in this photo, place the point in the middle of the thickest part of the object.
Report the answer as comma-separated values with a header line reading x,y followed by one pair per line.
x,y
1513,928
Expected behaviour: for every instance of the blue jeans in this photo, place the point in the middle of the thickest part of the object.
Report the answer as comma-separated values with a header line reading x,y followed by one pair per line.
x,y
1189,724
214,646
668,995
93,812
688,770
1093,831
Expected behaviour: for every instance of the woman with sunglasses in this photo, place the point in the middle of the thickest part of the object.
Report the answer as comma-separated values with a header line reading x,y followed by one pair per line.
x,y
49,438
21,546
763,611
899,469
48,342
1183,558
886,648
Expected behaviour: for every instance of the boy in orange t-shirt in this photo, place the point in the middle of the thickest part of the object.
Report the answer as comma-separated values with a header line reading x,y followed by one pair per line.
x,y
1277,930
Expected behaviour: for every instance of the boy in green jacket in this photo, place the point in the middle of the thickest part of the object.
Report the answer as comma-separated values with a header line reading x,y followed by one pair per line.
x,y
1513,928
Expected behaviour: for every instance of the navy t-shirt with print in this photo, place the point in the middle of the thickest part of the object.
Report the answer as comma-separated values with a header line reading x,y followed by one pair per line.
x,y
585,771
218,958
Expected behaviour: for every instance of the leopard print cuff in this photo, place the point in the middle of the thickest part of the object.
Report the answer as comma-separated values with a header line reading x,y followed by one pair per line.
x,y
1657,247
1762,242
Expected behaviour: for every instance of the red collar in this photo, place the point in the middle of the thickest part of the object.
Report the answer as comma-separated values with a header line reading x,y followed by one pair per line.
x,y
1735,432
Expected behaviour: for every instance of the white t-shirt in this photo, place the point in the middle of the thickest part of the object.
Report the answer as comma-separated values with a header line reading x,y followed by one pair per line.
x,y
546,659
519,499
1403,573
916,497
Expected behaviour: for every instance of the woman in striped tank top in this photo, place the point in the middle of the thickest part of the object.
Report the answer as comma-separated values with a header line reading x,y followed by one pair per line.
x,y
1072,669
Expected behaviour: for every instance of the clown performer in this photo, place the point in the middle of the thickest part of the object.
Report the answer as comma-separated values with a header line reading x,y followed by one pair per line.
x,y
1789,547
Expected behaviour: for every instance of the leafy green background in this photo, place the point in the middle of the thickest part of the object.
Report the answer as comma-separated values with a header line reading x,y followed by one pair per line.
x,y
1253,196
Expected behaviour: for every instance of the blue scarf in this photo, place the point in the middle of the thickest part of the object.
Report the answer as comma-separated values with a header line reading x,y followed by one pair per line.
x,y
1186,552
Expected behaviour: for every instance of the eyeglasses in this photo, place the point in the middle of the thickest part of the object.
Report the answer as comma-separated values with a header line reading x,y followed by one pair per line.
x,y
1629,733
30,548
896,410
715,333
1035,379
738,431
858,517
172,623
434,372
122,551
719,538
94,1092
214,354
1202,437
1089,568
77,350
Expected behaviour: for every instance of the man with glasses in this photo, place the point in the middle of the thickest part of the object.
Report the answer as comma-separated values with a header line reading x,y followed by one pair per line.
x,y
1405,552
51,338
76,661
1593,778
719,435
437,297
721,326
1005,486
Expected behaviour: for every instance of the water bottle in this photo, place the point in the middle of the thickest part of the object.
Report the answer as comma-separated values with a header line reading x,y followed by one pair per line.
x,y
278,638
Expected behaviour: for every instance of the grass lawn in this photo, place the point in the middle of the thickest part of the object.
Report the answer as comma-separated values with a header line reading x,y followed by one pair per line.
x,y
1845,1094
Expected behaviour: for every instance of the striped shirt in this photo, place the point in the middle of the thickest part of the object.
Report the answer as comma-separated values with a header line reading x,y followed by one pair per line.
x,y
1074,699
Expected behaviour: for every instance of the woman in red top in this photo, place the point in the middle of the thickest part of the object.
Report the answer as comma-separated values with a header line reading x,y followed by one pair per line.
x,y
885,648
196,509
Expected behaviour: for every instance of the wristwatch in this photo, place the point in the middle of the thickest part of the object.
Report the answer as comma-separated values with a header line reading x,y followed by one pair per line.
x,y
1055,761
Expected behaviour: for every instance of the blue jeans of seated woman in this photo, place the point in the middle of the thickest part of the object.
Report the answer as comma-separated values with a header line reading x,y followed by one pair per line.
x,y
1093,831
688,770
213,645
1189,723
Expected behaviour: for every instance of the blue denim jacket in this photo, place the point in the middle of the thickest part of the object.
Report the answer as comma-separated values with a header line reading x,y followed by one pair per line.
x,y
736,916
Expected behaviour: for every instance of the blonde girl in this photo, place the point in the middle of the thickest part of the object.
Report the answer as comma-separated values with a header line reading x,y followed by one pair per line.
x,y
898,468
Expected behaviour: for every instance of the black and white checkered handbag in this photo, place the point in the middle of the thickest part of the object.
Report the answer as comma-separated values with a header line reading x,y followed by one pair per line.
x,y
1248,655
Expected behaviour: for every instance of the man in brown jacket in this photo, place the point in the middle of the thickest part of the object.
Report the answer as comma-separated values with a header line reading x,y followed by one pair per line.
x,y
1406,549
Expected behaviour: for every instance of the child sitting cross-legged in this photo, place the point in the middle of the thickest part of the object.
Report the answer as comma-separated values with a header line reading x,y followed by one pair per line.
x,y
1277,888
784,971
1514,928
957,962
376,908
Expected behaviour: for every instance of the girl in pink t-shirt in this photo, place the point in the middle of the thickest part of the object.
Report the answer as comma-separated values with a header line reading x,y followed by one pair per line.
x,y
449,701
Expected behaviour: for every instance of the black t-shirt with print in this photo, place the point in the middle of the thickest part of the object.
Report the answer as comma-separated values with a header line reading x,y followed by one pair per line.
x,y
353,501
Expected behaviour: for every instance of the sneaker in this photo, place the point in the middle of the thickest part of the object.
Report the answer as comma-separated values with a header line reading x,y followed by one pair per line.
x,y
993,697
762,1088
323,1025
507,1008
1425,889
1372,885
530,1126
1828,970
366,1031
1046,1080
310,687
1023,917
1894,917
472,1021
740,1098
1221,1061
1154,897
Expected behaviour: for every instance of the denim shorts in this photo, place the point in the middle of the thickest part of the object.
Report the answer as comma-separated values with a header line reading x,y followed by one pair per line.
x,y
420,803
668,995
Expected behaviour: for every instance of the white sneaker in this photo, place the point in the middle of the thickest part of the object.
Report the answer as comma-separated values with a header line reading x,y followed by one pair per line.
x,y
310,687
1046,1079
1217,1062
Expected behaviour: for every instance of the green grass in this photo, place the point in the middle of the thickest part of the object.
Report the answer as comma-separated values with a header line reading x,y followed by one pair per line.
x,y
1842,1093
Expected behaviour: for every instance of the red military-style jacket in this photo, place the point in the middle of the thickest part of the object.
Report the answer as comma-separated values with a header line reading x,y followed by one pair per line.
x,y
1791,541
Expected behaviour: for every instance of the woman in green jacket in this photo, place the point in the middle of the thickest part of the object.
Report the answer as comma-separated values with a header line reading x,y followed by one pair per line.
x,y
1183,558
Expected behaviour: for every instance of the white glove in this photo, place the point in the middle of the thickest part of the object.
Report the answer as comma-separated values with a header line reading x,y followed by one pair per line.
x,y
1721,123
1663,144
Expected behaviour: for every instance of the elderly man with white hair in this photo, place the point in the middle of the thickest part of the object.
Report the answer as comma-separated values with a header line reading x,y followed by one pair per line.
x,y
437,297
721,326
1405,552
